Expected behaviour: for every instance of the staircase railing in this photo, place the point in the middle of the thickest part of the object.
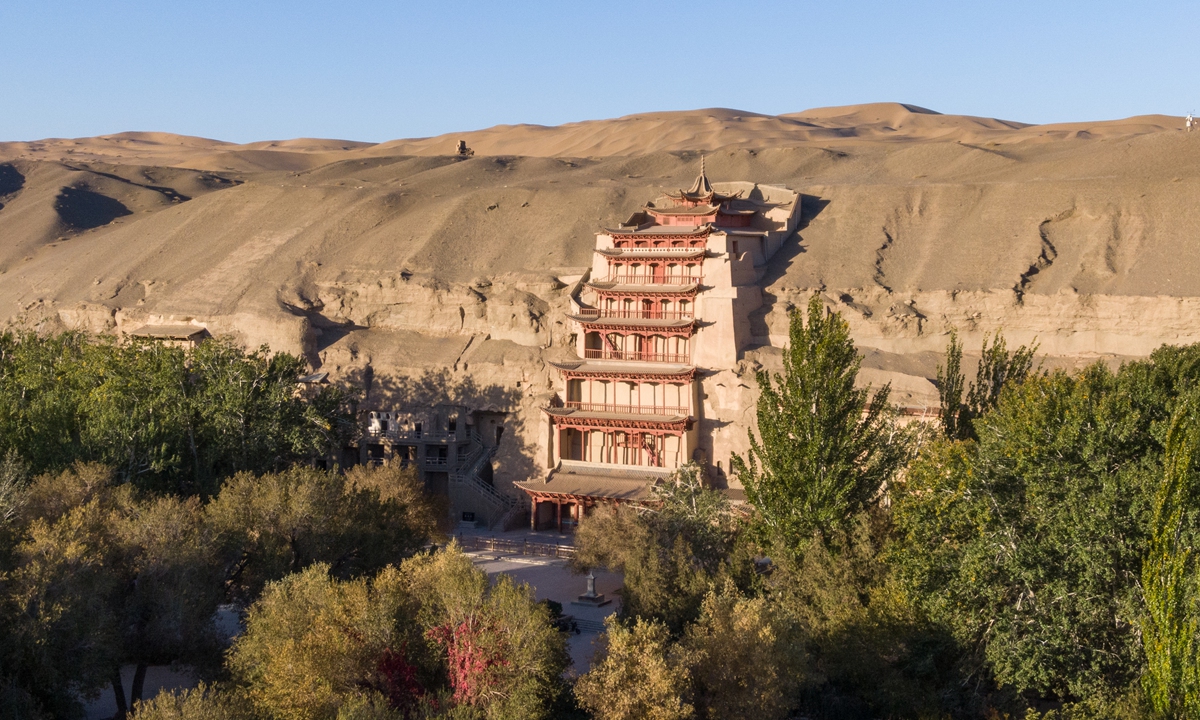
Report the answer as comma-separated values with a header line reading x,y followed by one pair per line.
x,y
468,475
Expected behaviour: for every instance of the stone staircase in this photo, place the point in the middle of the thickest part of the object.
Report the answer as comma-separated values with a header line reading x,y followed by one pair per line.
x,y
468,479
589,626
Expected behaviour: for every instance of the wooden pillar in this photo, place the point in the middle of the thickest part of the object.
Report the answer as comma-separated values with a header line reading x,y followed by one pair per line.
x,y
533,514
558,512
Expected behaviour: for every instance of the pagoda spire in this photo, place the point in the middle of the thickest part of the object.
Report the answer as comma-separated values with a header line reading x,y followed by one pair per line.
x,y
702,187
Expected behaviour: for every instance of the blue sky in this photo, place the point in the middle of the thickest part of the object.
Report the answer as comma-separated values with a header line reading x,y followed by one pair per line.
x,y
245,70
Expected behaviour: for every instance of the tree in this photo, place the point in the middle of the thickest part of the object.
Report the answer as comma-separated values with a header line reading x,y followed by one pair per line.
x,y
954,416
997,369
163,417
170,586
311,642
280,523
672,549
39,398
431,639
637,674
250,417
502,654
1028,544
425,513
135,414
746,660
1171,625
201,703
59,630
137,570
824,448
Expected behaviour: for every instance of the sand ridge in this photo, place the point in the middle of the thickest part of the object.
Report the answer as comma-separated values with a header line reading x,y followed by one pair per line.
x,y
632,135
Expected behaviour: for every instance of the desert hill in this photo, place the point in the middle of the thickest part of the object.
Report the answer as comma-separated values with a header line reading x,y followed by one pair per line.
x,y
380,260
632,135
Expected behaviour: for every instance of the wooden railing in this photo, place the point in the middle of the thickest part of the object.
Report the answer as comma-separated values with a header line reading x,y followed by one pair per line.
x,y
659,250
628,409
398,434
636,314
650,279
516,547
637,355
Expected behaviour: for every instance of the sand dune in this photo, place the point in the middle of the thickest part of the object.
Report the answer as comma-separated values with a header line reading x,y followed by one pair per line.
x,y
629,136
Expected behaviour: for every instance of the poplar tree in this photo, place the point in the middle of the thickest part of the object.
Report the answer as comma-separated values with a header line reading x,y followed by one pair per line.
x,y
823,448
998,368
1171,624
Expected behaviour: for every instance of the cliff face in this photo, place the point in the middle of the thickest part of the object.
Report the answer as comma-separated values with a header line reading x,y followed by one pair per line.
x,y
424,276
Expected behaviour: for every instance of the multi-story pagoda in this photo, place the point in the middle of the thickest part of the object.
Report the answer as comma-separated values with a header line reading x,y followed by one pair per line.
x,y
665,306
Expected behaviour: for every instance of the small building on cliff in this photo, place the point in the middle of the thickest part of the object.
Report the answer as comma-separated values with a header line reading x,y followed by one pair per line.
x,y
665,313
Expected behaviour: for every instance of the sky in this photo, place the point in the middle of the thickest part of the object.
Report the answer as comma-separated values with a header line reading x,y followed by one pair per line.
x,y
249,70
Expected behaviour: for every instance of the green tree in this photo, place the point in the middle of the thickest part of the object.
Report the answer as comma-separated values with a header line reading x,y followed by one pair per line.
x,y
951,383
746,659
997,369
162,417
138,571
431,639
637,674
39,397
280,523
672,550
824,448
502,654
134,409
1171,625
1029,543
311,642
250,416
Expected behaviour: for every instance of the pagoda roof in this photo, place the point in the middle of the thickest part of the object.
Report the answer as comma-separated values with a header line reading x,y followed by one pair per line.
x,y
633,321
702,186
678,253
624,369
593,480
644,289
697,210
701,190
618,420
644,230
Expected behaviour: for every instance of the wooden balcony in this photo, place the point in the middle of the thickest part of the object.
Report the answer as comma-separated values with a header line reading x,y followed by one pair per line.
x,y
603,314
650,279
628,409
603,354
